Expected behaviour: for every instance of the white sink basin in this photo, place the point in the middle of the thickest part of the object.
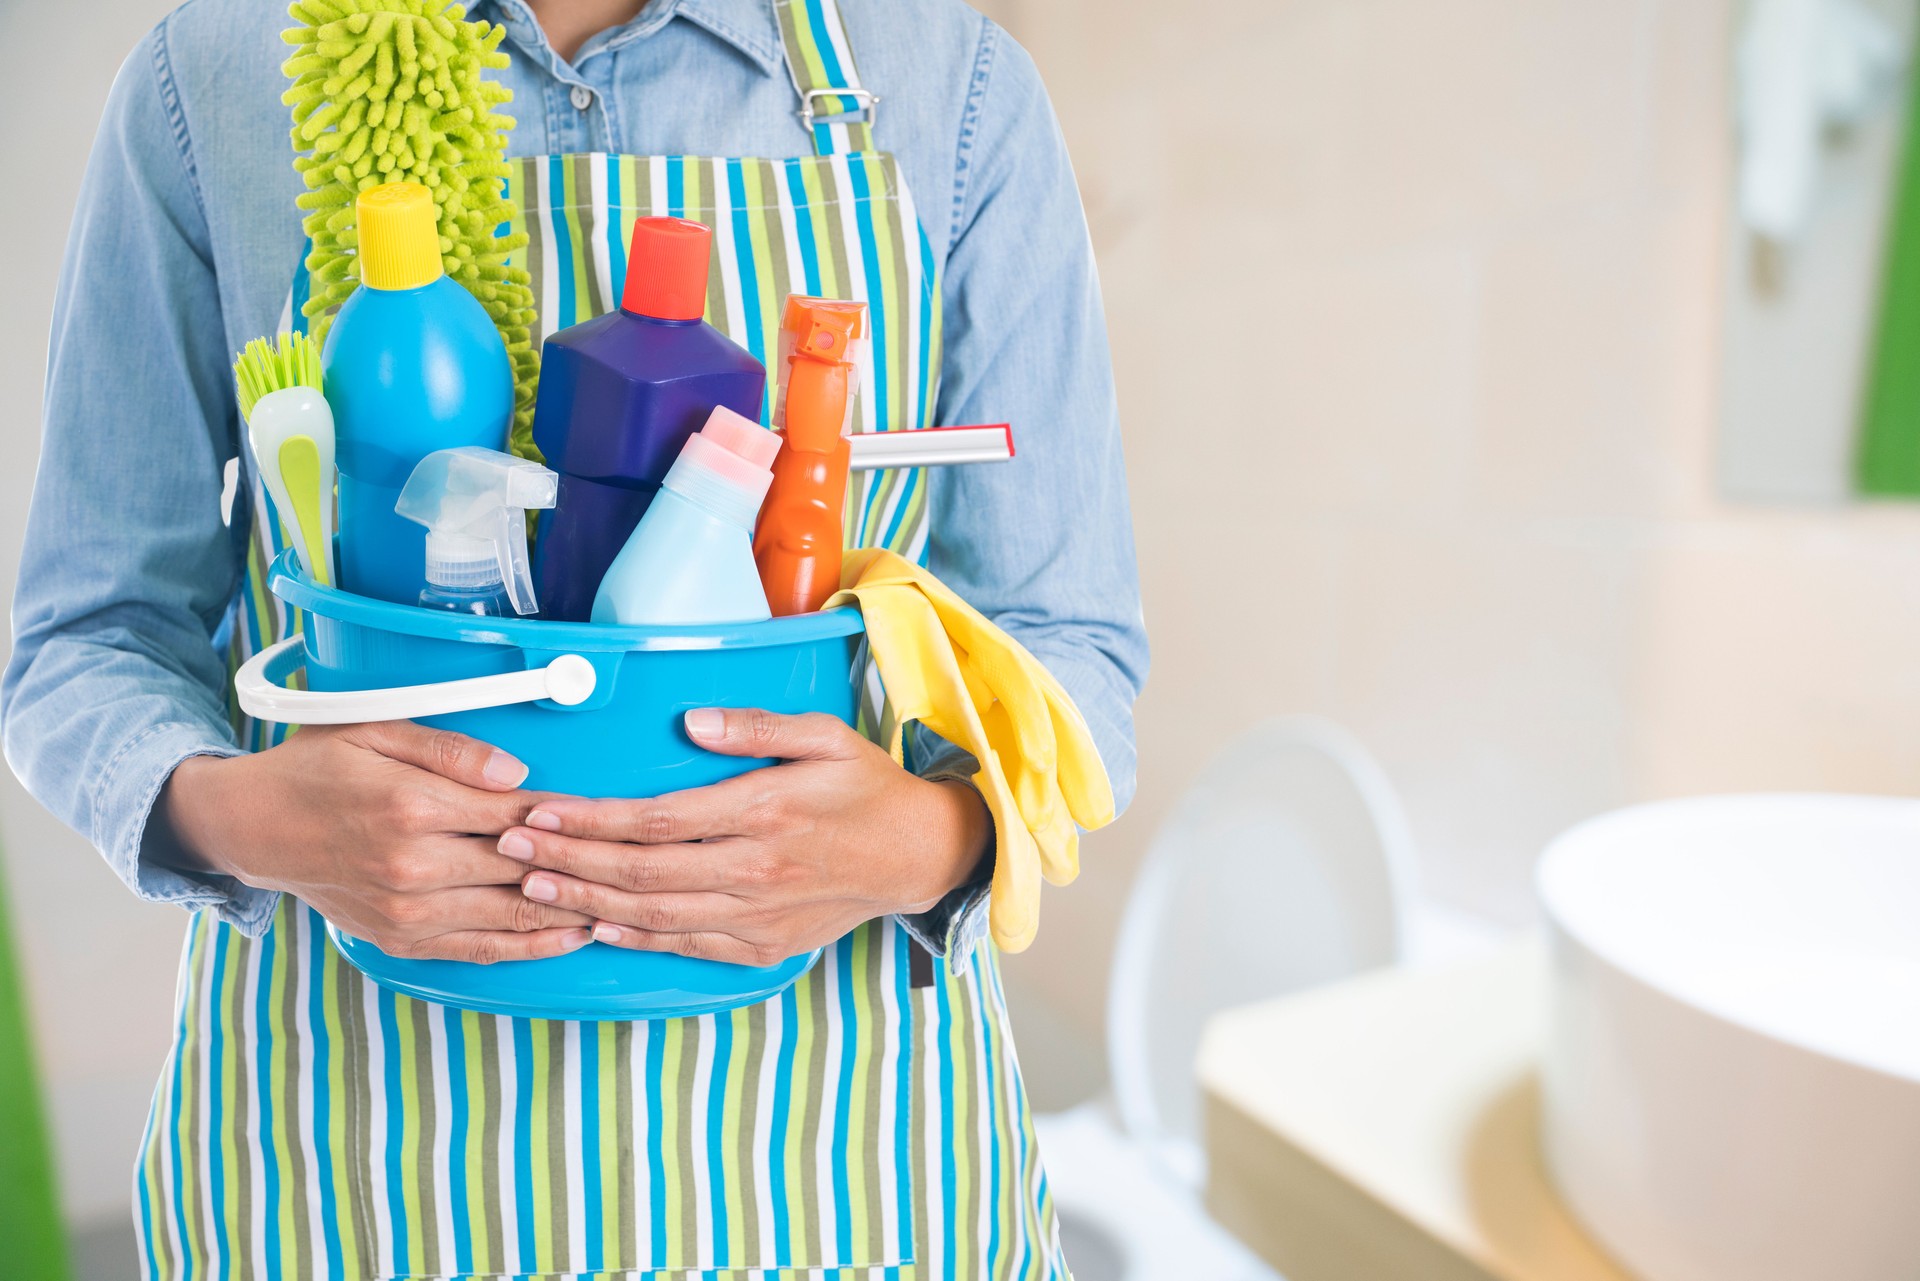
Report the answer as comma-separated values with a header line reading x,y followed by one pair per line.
x,y
1732,1079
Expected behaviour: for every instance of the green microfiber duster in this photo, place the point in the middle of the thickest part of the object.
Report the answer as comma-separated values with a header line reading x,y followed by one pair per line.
x,y
393,91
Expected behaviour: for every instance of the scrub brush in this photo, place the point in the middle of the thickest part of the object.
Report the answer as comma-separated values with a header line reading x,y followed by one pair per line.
x,y
290,426
393,91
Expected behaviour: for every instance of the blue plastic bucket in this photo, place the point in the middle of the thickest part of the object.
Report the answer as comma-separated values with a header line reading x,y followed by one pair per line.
x,y
593,710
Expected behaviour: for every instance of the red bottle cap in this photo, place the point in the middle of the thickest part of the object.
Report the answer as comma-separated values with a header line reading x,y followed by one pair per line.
x,y
667,269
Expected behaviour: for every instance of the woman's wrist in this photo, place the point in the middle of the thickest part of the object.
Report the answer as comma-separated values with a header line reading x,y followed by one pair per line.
x,y
186,830
967,828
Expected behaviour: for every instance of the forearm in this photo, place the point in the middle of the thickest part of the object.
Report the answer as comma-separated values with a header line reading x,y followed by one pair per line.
x,y
200,824
94,729
128,567
968,846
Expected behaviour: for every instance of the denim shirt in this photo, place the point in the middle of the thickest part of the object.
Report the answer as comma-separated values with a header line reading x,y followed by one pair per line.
x,y
181,250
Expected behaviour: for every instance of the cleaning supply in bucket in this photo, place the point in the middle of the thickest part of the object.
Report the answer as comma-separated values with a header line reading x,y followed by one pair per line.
x,y
798,541
474,502
619,395
413,364
945,665
690,559
930,447
398,91
290,427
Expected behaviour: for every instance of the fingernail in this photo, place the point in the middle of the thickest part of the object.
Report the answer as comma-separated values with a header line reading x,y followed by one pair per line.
x,y
606,933
540,889
706,722
517,845
503,770
544,821
576,938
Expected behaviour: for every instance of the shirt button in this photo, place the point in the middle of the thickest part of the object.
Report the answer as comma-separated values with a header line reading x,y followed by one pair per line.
x,y
582,97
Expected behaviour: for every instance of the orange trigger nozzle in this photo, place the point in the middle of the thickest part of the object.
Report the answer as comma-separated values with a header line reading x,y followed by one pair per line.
x,y
823,328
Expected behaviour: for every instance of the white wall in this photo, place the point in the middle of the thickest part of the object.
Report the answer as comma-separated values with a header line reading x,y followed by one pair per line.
x,y
100,965
1415,313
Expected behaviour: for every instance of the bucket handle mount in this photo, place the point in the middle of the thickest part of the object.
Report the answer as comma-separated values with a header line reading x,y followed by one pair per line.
x,y
261,687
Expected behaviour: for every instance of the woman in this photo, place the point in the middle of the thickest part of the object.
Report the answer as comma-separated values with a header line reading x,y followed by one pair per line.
x,y
871,1119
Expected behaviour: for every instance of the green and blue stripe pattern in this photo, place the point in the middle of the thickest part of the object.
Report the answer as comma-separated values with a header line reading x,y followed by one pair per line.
x,y
310,1124
863,1126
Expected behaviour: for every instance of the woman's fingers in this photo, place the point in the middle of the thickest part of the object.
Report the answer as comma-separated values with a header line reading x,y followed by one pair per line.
x,y
431,864
494,923
452,783
704,945
738,806
640,869
464,760
484,947
749,731
497,907
749,804
745,805
683,913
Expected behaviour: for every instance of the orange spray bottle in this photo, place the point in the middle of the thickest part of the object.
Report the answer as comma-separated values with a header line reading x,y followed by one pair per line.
x,y
798,541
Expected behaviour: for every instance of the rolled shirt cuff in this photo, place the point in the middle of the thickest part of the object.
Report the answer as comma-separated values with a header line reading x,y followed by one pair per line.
x,y
955,925
123,812
954,928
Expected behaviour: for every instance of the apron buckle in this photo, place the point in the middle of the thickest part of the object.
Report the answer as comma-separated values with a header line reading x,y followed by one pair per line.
x,y
864,112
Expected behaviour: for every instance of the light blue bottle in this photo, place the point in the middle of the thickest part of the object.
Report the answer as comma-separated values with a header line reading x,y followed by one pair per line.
x,y
690,559
412,364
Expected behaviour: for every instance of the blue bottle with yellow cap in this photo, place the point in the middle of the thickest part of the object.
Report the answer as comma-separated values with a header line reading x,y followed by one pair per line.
x,y
412,364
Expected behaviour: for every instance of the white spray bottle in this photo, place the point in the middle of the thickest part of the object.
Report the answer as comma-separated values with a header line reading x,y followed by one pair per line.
x,y
473,502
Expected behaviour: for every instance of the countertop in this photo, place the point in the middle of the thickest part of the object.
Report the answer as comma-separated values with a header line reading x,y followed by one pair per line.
x,y
1384,1128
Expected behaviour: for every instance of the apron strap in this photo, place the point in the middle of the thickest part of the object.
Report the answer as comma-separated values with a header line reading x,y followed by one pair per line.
x,y
836,110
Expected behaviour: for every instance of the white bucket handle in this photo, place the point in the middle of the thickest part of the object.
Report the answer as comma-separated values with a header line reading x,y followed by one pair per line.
x,y
261,686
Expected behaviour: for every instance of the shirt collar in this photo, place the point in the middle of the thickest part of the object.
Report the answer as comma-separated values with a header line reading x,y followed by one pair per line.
x,y
747,25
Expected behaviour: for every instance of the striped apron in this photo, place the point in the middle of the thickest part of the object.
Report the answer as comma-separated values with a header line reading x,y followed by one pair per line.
x,y
868,1123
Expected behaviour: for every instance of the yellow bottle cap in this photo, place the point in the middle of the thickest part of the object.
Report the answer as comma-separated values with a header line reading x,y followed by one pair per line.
x,y
399,236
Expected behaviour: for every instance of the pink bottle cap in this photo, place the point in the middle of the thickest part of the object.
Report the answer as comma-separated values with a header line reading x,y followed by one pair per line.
x,y
742,436
703,464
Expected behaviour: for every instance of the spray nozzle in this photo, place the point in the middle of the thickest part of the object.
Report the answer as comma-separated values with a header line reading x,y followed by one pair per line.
x,y
824,331
472,502
823,344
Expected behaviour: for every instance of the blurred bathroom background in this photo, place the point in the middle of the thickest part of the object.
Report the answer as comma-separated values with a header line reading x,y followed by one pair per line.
x,y
1453,415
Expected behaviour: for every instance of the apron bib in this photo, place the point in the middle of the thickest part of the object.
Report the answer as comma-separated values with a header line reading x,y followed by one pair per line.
x,y
868,1122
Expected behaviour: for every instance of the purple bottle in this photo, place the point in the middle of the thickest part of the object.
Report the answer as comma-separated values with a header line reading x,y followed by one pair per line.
x,y
619,395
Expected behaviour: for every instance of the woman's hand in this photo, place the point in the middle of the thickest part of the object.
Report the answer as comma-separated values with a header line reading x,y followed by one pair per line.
x,y
764,866
387,829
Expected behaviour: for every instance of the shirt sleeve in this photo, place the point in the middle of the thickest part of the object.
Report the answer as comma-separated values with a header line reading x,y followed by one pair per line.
x,y
129,565
1042,545
957,923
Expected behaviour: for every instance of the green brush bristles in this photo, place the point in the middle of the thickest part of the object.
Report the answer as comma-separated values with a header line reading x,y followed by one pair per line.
x,y
291,361
393,91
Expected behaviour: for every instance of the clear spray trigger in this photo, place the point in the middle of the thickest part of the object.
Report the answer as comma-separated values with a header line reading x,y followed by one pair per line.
x,y
473,502
510,548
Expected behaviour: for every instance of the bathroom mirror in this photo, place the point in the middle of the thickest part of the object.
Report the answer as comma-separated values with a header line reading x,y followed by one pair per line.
x,y
1811,407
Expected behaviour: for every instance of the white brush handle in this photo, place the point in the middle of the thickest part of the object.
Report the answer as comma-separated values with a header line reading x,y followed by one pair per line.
x,y
278,417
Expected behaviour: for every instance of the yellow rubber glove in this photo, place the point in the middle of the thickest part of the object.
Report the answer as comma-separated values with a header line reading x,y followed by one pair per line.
x,y
945,665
